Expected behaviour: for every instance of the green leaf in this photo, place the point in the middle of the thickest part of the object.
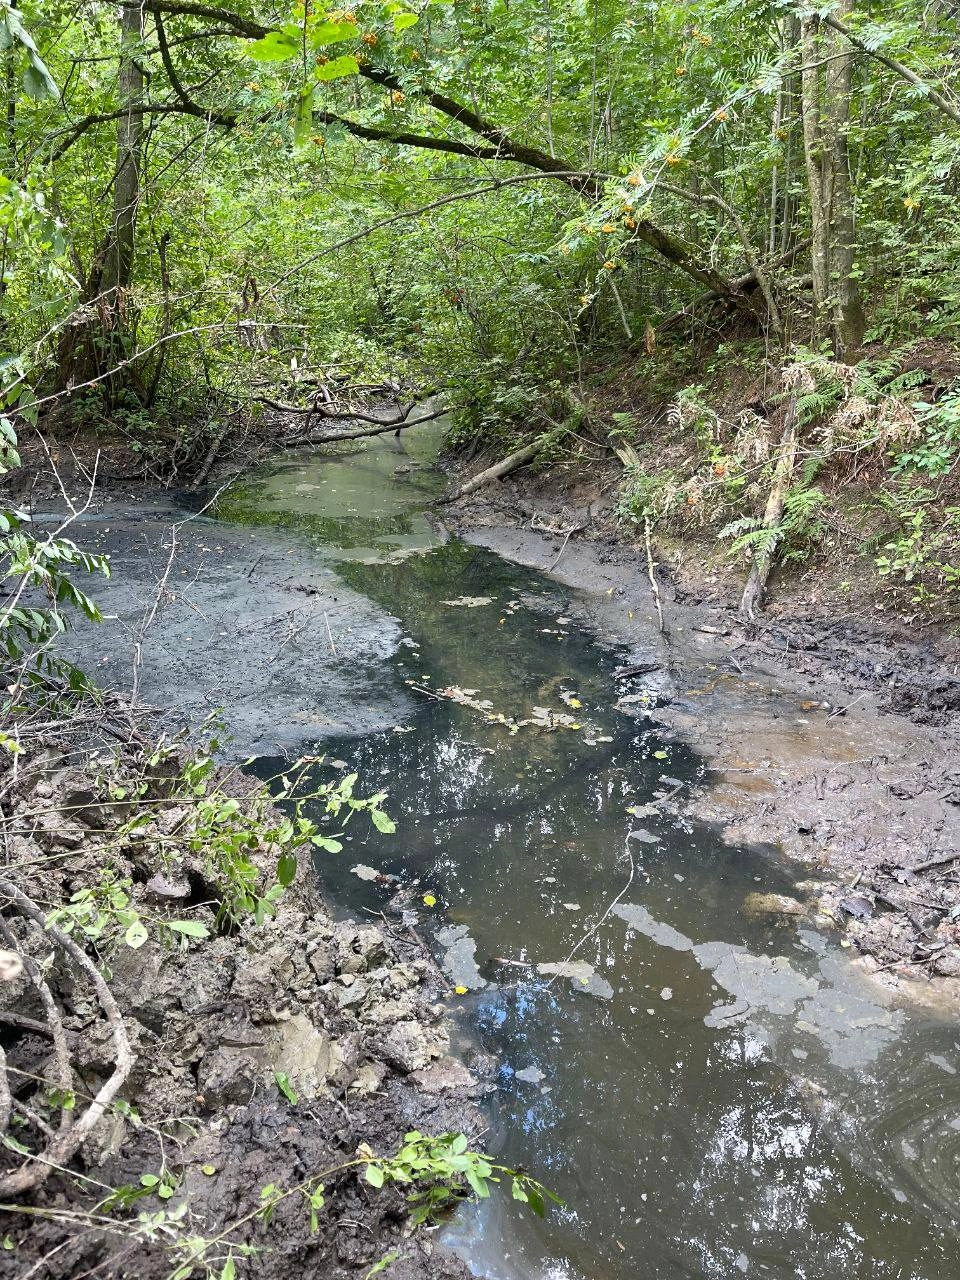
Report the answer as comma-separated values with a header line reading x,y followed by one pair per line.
x,y
285,1087
403,20
346,65
149,1180
327,843
136,935
286,868
229,1271
382,1264
331,33
374,1175
382,822
276,46
192,928
38,82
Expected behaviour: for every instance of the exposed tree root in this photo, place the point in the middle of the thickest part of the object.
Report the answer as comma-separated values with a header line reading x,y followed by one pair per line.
x,y
63,1145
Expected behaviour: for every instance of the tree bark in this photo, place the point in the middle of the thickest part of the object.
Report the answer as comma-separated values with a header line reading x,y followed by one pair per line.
x,y
107,325
825,107
763,560
849,319
121,247
813,154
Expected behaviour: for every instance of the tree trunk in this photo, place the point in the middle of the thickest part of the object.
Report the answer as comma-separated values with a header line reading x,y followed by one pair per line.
x,y
106,332
813,154
118,261
825,107
849,319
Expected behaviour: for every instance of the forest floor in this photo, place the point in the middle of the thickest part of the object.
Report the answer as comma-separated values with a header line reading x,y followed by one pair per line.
x,y
831,734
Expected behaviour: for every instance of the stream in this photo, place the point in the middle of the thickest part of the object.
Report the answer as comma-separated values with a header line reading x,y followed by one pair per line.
x,y
712,1089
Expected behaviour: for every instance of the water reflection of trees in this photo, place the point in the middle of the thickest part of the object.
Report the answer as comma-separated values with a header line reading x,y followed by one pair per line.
x,y
732,1156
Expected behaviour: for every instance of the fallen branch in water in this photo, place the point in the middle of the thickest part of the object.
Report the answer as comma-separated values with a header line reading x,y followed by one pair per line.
x,y
323,410
381,428
496,472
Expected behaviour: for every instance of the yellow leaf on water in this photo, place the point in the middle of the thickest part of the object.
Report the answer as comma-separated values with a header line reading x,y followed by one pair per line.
x,y
461,991
574,702
430,900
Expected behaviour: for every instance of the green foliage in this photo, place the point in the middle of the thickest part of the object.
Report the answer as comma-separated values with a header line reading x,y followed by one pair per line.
x,y
443,1170
248,847
923,557
646,495
934,451
104,914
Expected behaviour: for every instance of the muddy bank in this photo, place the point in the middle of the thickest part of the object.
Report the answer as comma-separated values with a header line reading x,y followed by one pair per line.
x,y
262,1057
206,619
833,743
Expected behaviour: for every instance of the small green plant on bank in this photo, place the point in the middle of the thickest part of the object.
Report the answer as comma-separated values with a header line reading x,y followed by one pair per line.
x,y
39,594
226,833
915,558
935,451
798,530
247,848
104,914
438,1173
646,495
443,1170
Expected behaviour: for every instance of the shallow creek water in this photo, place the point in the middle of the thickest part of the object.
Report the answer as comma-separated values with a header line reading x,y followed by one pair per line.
x,y
711,1091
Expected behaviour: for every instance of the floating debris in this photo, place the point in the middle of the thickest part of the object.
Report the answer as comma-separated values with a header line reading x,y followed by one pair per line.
x,y
530,1075
366,873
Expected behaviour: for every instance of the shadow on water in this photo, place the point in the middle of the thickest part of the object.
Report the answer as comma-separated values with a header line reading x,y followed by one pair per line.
x,y
713,1092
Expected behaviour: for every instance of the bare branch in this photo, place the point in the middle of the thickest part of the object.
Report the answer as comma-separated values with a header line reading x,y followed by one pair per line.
x,y
30,1175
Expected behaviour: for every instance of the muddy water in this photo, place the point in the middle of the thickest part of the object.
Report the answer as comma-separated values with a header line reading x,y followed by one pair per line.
x,y
712,1091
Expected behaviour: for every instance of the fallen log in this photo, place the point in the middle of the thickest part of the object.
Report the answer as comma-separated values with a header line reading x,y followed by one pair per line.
x,y
763,558
496,472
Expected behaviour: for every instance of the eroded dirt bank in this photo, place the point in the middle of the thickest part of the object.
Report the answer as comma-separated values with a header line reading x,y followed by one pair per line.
x,y
350,1016
833,740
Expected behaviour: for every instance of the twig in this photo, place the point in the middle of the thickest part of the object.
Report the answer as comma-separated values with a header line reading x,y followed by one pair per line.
x,y
935,862
333,647
842,711
650,573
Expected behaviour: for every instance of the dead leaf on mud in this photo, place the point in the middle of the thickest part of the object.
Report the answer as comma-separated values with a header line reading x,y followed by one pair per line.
x,y
468,602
